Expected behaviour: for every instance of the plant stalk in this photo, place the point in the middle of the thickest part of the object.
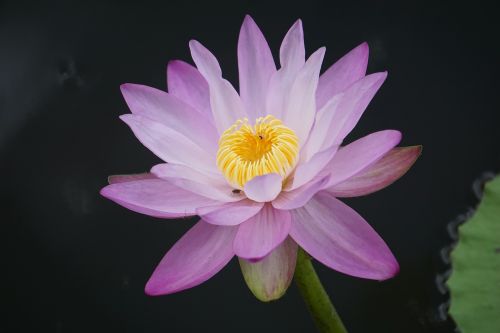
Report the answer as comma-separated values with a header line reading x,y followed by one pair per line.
x,y
317,301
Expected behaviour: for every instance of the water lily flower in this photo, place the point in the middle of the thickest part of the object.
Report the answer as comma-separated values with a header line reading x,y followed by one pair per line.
x,y
263,168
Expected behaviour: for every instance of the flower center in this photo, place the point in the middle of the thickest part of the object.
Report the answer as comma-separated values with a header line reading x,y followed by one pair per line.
x,y
247,151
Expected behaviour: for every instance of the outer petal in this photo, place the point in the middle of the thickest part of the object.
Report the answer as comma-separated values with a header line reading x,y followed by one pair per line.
x,y
130,178
232,213
269,278
356,156
262,233
170,145
300,196
378,175
210,186
224,100
186,83
300,107
256,66
202,252
340,238
155,197
347,70
170,111
264,188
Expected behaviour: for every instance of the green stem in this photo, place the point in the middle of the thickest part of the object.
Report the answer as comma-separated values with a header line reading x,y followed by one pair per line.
x,y
317,301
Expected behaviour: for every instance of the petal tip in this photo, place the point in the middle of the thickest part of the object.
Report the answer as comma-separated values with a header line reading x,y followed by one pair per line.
x,y
249,258
157,169
396,269
263,188
252,258
296,28
174,63
150,291
394,135
416,152
105,191
248,19
322,51
125,88
156,286
127,118
363,50
109,192
267,297
152,288
386,268
193,44
379,76
391,270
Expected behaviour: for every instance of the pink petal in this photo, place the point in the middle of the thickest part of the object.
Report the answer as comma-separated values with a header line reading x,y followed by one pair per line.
x,y
292,58
300,108
262,233
170,111
201,253
320,132
224,100
269,278
263,188
292,50
347,70
130,178
356,156
170,145
256,66
210,186
308,170
339,115
186,83
340,238
379,175
352,105
278,92
299,196
232,213
156,197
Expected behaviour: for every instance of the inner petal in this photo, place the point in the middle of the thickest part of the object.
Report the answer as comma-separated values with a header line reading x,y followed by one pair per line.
x,y
246,151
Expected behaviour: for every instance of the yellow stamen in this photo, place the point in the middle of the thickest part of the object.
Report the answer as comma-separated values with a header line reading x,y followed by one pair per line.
x,y
247,151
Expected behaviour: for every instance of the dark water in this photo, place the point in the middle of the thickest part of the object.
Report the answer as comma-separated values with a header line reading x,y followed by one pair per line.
x,y
75,262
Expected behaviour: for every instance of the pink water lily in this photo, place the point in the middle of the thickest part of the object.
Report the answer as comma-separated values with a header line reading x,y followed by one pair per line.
x,y
263,168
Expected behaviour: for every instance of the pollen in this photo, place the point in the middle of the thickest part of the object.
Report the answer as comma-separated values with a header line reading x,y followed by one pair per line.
x,y
246,151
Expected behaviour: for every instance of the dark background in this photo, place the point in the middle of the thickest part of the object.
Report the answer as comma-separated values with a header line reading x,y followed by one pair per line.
x,y
76,262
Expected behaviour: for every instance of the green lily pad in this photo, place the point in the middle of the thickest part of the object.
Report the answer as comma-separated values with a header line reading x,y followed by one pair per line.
x,y
475,280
